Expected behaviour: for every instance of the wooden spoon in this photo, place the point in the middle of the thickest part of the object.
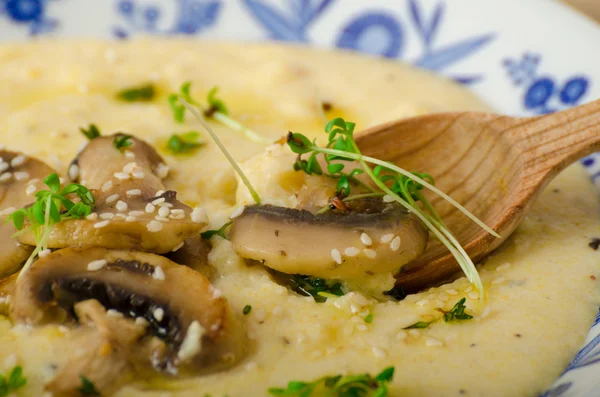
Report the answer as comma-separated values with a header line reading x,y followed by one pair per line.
x,y
496,166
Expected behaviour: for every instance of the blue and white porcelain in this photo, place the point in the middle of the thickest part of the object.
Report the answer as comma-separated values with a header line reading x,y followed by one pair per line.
x,y
523,57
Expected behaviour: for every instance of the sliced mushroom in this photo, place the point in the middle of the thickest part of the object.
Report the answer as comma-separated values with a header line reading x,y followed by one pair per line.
x,y
20,177
194,254
370,237
181,307
7,287
132,209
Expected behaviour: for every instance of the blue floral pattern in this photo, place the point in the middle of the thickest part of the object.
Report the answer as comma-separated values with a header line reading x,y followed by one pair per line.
x,y
192,16
29,12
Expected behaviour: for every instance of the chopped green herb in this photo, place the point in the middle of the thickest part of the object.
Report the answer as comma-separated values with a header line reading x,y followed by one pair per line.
x,y
457,312
179,109
218,232
420,324
12,382
214,104
320,289
144,93
92,132
247,309
363,385
184,143
87,388
369,318
122,141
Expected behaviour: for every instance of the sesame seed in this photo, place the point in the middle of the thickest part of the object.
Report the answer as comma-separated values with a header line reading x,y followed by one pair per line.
x,y
133,192
386,238
150,208
158,314
106,186
387,198
395,244
128,168
4,166
164,212
351,251
377,352
30,190
365,239
252,365
176,216
154,226
136,213
21,175
44,253
121,206
422,302
451,291
5,177
158,201
431,342
177,247
61,180
199,215
129,154
120,216
97,264
159,193
239,211
141,321
401,335
92,217
161,218
8,211
114,313
414,333
107,216
443,297
439,302
473,295
162,171
158,273
101,224
216,293
130,219
165,204
121,176
504,266
498,280
73,171
371,254
138,174
469,288
112,198
486,312
17,161
336,256
177,211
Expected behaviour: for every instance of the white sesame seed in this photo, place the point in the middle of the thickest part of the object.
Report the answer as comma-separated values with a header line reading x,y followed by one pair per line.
x,y
121,206
351,251
165,204
114,313
486,312
92,217
112,198
239,211
136,213
386,238
504,266
44,253
73,171
159,193
473,295
138,174
177,211
21,175
107,216
120,216
133,192
96,265
336,256
158,201
4,166
199,215
129,153
395,244
158,314
365,239
451,291
130,219
101,224
128,168
387,198
121,176
154,226
106,186
17,161
377,352
164,212
251,366
401,335
469,288
422,302
8,211
371,254
216,293
162,171
498,280
30,190
177,247
141,321
439,302
176,216
161,218
150,208
158,273
431,342
415,333
5,177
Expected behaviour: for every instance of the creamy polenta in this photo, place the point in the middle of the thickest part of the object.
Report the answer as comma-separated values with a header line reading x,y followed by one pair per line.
x,y
541,285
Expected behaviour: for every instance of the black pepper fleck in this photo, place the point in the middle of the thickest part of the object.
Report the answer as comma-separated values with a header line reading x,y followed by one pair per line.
x,y
276,233
327,106
594,243
517,335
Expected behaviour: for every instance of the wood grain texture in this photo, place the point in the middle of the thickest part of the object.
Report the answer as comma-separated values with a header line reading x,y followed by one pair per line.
x,y
496,166
589,7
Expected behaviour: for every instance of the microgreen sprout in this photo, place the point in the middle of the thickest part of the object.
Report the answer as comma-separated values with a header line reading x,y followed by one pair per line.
x,y
457,313
87,388
216,232
122,141
144,93
184,143
51,207
92,132
391,181
12,382
216,110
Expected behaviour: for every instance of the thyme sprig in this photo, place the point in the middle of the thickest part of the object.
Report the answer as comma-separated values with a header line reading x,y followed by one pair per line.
x,y
51,207
455,314
392,182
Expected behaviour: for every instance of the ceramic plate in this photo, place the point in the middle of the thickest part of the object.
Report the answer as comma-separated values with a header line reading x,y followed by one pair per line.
x,y
523,58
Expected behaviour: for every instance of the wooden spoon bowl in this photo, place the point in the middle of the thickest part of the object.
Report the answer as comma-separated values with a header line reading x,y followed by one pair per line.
x,y
495,166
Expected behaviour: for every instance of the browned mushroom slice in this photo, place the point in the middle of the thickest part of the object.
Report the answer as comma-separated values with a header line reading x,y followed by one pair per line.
x,y
371,237
20,177
133,211
180,306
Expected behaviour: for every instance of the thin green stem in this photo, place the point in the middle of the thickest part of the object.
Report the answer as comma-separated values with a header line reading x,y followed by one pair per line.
x,y
237,126
216,139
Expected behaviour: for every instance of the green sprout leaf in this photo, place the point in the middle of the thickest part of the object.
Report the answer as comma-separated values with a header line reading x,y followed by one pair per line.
x,y
122,141
87,388
457,312
92,132
144,93
418,325
215,104
184,143
316,287
218,232
247,309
